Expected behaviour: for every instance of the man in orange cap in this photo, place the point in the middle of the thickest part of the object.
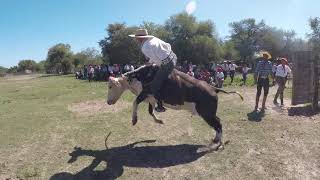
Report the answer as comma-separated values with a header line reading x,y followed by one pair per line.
x,y
282,72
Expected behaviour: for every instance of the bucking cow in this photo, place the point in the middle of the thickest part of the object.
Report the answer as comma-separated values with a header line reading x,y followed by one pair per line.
x,y
180,91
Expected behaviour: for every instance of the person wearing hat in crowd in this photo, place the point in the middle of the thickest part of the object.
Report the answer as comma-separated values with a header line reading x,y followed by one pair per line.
x,y
220,77
159,53
262,73
225,68
232,70
245,69
282,72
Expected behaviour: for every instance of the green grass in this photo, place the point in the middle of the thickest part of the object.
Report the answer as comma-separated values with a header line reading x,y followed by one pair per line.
x,y
37,133
237,81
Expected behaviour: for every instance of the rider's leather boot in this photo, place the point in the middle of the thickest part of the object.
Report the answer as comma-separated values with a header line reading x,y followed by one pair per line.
x,y
160,107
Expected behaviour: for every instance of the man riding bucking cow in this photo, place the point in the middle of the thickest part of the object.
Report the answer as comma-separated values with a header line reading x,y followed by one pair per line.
x,y
160,54
159,81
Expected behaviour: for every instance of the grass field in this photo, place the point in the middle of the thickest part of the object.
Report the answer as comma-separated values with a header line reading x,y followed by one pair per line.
x,y
43,119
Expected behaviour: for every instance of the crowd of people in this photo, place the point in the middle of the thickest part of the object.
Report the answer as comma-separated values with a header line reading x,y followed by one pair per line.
x,y
102,72
212,73
216,73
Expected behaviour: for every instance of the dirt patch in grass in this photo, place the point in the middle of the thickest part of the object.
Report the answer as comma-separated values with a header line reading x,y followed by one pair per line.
x,y
88,108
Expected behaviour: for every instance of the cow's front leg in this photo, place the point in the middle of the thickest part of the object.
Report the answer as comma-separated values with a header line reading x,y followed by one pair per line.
x,y
152,105
134,113
141,97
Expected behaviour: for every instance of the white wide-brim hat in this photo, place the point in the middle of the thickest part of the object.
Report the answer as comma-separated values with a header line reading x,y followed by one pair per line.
x,y
141,33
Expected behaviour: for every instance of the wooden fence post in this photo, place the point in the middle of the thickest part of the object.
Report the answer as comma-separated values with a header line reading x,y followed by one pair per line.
x,y
315,98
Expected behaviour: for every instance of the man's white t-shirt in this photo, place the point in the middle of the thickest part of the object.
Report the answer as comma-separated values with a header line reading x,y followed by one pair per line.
x,y
220,76
156,50
232,67
282,71
225,67
245,70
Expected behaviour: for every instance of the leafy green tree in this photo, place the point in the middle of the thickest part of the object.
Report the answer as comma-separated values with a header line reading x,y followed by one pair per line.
x,y
272,40
59,59
182,31
206,28
204,49
245,35
182,27
87,56
315,34
118,47
13,69
40,67
3,71
156,30
27,65
191,40
228,51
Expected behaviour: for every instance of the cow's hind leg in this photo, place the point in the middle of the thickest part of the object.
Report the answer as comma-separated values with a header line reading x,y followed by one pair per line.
x,y
151,108
216,142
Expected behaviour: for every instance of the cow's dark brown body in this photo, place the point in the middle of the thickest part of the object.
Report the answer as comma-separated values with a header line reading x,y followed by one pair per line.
x,y
180,88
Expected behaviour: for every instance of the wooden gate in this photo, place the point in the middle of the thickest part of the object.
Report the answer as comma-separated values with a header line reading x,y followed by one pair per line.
x,y
306,76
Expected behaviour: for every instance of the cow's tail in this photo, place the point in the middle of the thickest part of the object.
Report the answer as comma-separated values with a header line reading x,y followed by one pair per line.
x,y
229,92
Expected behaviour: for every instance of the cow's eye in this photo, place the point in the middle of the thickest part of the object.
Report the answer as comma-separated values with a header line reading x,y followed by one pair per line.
x,y
109,87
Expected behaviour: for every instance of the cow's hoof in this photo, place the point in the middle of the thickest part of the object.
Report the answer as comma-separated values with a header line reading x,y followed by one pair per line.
x,y
159,121
203,150
215,146
134,120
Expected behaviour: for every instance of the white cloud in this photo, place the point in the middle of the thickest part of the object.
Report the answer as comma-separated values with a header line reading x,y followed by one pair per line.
x,y
191,7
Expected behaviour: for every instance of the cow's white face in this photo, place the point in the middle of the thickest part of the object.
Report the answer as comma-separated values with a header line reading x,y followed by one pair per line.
x,y
115,90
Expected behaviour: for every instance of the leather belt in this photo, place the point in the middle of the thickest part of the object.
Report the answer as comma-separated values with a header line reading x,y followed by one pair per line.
x,y
168,59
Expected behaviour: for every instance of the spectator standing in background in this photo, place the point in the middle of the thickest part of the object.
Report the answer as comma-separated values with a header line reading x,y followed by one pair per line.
x,y
232,70
282,72
105,72
225,68
91,73
116,69
262,73
220,77
131,67
245,70
110,68
126,68
85,72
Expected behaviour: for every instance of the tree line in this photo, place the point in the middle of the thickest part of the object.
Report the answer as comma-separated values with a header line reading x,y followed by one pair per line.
x,y
192,40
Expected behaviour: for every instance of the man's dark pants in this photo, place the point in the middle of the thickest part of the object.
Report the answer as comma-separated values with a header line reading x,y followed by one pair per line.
x,y
263,83
161,76
232,73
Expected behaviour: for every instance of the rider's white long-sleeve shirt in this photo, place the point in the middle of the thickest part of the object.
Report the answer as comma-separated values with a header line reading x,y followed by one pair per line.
x,y
156,50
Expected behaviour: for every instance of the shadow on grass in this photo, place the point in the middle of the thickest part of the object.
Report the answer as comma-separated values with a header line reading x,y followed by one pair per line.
x,y
302,111
129,156
255,116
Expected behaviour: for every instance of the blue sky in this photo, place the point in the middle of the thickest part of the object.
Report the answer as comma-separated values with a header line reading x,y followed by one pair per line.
x,y
29,27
